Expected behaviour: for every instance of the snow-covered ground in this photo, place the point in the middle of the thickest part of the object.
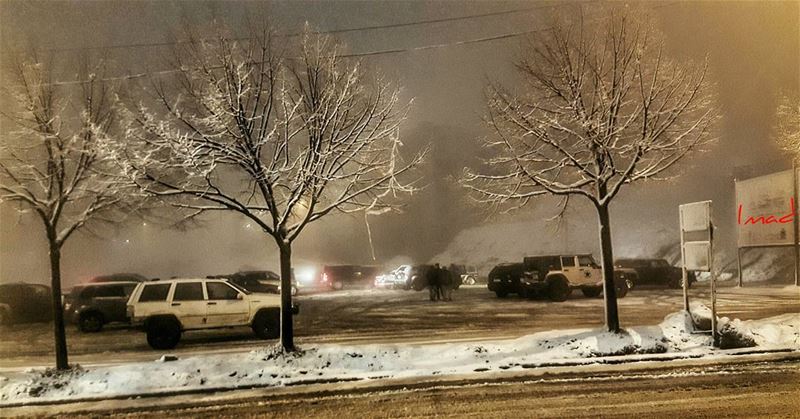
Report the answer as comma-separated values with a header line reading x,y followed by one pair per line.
x,y
326,363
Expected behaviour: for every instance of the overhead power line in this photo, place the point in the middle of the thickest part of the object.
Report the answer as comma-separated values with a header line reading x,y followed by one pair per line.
x,y
327,32
449,44
356,55
352,55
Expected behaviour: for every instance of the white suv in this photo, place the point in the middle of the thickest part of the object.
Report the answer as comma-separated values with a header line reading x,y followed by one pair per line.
x,y
164,309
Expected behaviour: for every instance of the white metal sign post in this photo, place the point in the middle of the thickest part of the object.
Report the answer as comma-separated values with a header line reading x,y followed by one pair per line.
x,y
697,252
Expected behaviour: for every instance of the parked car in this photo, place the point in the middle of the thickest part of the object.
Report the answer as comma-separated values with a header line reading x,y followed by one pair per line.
x,y
397,278
166,309
466,275
553,276
655,272
92,306
22,303
469,275
257,281
414,277
506,278
340,276
418,278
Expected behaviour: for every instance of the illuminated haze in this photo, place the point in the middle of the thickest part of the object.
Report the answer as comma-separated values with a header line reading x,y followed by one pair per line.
x,y
752,48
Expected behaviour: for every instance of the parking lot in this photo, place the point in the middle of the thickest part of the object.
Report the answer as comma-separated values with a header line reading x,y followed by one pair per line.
x,y
381,316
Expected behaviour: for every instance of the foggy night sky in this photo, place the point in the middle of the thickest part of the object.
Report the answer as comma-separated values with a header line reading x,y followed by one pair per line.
x,y
753,50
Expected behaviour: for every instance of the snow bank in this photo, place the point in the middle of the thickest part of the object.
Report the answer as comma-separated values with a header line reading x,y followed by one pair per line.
x,y
326,363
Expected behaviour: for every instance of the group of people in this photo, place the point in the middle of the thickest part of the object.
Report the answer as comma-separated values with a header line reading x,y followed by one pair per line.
x,y
441,282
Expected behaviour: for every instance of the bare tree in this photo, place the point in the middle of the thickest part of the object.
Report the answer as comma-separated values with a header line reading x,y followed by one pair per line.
x,y
601,107
788,126
52,164
283,142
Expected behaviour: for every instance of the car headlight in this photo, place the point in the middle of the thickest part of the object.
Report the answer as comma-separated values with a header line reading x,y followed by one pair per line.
x,y
305,275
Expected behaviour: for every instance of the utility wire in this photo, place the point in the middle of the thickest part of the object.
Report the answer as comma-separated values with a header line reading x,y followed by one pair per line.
x,y
328,32
352,55
450,44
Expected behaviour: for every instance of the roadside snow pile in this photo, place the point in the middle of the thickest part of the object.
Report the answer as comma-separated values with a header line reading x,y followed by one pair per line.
x,y
779,331
334,363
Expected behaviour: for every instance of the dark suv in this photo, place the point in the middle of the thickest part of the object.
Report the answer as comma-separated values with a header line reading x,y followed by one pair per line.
x,y
340,276
22,303
506,278
92,306
119,277
257,281
655,272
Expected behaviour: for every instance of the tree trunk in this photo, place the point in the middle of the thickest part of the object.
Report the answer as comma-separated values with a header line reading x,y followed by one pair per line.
x,y
287,327
62,362
607,259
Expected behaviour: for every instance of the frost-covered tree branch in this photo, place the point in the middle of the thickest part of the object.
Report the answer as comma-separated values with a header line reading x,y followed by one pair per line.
x,y
282,139
53,161
602,107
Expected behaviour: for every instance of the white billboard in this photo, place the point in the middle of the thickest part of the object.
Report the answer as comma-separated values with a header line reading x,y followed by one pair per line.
x,y
765,208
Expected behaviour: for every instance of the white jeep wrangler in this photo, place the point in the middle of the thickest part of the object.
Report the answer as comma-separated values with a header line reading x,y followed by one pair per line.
x,y
165,309
554,276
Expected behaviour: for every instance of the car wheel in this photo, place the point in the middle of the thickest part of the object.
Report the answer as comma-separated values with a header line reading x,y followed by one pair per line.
x,y
622,289
676,283
90,322
418,285
267,325
501,294
629,282
163,333
558,289
294,291
337,285
592,292
469,281
4,318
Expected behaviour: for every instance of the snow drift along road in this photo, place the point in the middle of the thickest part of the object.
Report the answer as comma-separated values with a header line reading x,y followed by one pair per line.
x,y
340,363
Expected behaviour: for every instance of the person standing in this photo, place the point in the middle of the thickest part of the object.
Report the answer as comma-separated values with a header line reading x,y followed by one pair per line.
x,y
432,278
445,284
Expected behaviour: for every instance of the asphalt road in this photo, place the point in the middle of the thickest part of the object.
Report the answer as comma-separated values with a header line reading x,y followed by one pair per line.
x,y
380,316
747,389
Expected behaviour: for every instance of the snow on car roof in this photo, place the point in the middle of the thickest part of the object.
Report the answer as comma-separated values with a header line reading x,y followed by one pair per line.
x,y
103,284
187,280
